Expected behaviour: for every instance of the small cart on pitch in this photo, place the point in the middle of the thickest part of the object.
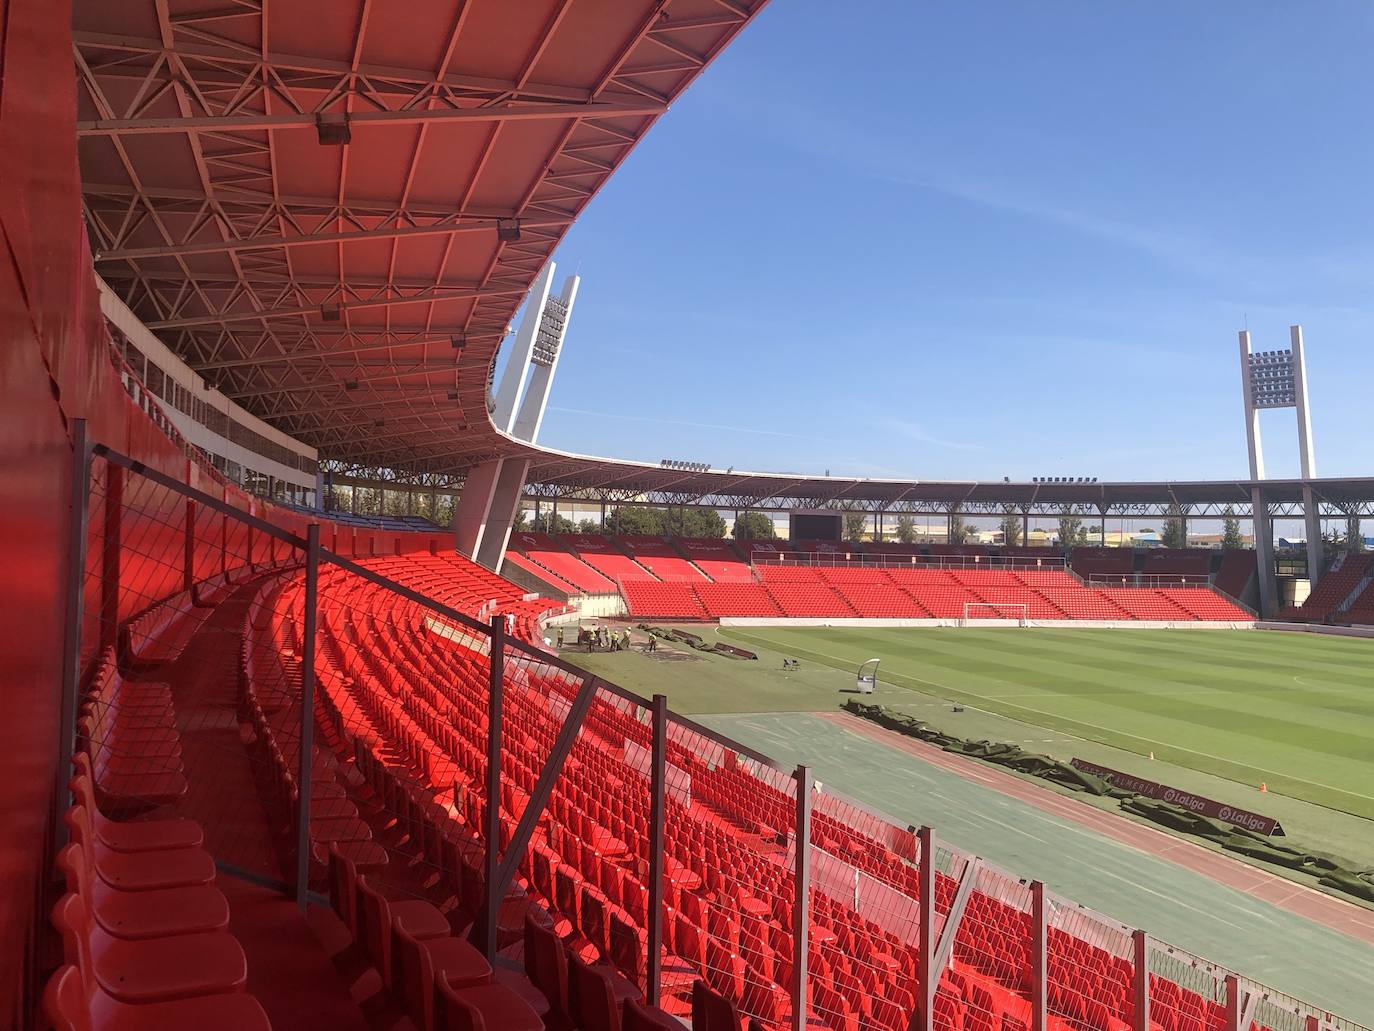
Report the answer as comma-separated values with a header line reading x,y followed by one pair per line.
x,y
867,677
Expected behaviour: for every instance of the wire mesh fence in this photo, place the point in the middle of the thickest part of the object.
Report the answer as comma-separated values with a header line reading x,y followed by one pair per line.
x,y
325,705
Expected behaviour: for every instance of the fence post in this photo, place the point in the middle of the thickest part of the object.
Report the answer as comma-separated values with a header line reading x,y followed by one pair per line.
x,y
1039,964
224,533
305,768
801,925
1141,983
71,632
1233,1005
492,856
188,558
110,557
658,775
925,1008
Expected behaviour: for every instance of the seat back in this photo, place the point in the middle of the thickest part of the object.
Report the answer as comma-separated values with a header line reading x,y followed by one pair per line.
x,y
547,964
65,1003
72,919
629,946
372,915
453,1013
78,821
83,784
591,998
712,1011
343,891
74,862
639,1016
412,975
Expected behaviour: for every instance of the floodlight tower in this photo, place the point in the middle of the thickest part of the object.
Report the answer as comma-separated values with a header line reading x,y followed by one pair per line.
x,y
1278,379
490,500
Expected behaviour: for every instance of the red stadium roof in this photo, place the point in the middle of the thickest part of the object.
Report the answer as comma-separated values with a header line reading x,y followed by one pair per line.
x,y
355,295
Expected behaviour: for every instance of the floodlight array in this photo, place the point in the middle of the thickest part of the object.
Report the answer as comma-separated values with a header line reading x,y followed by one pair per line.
x,y
690,467
550,335
1273,383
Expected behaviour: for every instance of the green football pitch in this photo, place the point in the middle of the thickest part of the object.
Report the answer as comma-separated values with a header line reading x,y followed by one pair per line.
x,y
1295,711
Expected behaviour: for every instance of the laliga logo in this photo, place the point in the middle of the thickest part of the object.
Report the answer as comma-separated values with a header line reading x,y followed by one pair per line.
x,y
1182,798
1241,817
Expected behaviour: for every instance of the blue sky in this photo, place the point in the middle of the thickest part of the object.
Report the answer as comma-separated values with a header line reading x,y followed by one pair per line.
x,y
949,240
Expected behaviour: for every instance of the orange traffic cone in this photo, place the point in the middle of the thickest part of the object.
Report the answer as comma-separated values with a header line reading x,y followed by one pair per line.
x,y
1264,788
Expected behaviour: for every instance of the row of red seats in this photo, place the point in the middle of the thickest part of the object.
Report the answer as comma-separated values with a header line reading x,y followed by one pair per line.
x,y
396,689
850,592
144,929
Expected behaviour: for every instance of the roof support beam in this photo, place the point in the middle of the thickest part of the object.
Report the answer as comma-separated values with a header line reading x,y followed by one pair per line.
x,y
290,120
359,346
293,67
452,224
422,297
340,384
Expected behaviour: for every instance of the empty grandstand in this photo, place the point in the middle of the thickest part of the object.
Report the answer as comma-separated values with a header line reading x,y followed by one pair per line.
x,y
270,763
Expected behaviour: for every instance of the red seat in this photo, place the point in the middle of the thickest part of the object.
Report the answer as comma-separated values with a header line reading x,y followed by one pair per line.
x,y
375,915
135,915
142,836
70,1006
639,1016
489,1006
712,1011
547,964
595,995
141,871
155,970
417,963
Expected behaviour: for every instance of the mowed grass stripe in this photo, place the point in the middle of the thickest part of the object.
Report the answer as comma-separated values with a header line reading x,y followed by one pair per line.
x,y
1223,697
983,667
1338,657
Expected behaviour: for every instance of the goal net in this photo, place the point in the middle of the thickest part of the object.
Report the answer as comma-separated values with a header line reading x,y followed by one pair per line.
x,y
1003,611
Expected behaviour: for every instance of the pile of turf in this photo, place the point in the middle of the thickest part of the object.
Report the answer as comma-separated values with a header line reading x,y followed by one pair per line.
x,y
1331,871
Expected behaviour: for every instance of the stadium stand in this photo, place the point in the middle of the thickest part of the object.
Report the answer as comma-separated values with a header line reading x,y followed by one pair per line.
x,y
1089,562
1183,562
850,591
668,599
250,712
607,556
718,559
547,553
661,558
391,690
736,599
515,560
1236,572
763,551
1333,591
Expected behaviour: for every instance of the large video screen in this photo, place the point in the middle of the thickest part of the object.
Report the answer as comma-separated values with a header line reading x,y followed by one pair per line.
x,y
824,527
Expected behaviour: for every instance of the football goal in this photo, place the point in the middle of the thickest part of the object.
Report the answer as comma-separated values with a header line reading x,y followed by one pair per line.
x,y
1003,611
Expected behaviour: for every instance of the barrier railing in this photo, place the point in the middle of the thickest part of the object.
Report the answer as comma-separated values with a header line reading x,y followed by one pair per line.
x,y
326,709
1154,580
826,558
